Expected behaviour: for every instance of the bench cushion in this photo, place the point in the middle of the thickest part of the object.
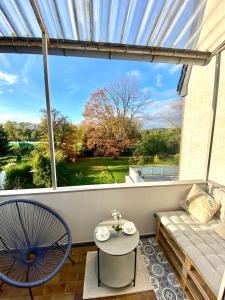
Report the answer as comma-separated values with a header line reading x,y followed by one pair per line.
x,y
204,247
219,195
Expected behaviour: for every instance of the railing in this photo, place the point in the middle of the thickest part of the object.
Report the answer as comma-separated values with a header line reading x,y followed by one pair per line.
x,y
138,174
83,207
160,170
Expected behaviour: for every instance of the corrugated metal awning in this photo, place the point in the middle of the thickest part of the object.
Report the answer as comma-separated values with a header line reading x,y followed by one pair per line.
x,y
143,25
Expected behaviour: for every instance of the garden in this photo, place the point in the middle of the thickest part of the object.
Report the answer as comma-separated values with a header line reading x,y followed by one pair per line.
x,y
84,171
99,150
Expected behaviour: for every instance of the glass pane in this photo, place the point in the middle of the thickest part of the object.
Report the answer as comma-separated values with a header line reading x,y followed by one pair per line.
x,y
24,153
111,115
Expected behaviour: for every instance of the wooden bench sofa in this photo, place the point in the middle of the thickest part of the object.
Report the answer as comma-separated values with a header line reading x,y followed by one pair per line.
x,y
195,251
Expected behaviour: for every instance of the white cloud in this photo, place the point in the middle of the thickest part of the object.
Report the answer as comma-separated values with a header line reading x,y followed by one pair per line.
x,y
170,68
18,116
7,78
159,80
153,117
175,69
160,94
166,94
1,92
10,91
163,94
4,60
146,90
158,66
26,68
134,73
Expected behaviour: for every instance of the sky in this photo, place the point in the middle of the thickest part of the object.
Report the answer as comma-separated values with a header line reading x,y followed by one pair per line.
x,y
73,79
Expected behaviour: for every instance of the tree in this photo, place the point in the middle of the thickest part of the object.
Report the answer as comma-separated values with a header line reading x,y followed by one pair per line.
x,y
157,141
22,131
172,115
152,143
65,134
172,140
10,128
18,176
111,115
4,142
42,170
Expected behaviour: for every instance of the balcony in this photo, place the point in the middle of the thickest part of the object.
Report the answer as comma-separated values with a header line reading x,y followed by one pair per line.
x,y
196,41
83,208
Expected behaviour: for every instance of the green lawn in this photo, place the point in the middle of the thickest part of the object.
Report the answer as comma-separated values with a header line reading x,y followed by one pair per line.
x,y
98,170
90,170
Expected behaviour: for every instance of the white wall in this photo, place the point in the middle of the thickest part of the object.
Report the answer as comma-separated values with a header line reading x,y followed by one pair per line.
x,y
217,164
198,105
196,123
83,209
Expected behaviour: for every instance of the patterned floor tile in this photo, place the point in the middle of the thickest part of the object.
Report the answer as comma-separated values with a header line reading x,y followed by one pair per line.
x,y
166,285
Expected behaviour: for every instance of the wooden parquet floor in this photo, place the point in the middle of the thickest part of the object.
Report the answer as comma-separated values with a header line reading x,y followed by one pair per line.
x,y
67,284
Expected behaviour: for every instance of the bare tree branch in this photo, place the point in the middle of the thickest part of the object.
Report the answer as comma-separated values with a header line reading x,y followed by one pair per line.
x,y
173,113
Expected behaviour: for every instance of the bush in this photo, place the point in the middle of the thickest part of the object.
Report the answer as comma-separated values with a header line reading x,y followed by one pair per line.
x,y
176,158
42,170
22,148
159,141
59,156
142,160
19,176
156,159
69,153
139,159
162,155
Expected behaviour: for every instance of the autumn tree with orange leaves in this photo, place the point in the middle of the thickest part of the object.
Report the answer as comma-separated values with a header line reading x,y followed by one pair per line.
x,y
111,116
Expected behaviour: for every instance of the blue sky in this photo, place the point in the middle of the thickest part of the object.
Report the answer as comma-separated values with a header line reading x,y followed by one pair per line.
x,y
72,80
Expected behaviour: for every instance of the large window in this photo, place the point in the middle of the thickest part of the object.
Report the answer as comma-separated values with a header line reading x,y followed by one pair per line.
x,y
113,121
111,115
22,144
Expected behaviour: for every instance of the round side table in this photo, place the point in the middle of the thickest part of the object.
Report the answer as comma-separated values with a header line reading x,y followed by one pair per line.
x,y
117,257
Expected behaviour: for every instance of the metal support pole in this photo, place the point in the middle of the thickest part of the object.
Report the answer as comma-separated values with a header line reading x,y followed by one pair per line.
x,y
48,108
31,295
70,258
99,280
213,115
135,265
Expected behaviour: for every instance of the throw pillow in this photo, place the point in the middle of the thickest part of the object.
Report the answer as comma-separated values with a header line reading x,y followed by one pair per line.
x,y
204,208
193,194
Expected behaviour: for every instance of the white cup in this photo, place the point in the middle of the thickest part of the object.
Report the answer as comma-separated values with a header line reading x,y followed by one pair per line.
x,y
129,226
102,232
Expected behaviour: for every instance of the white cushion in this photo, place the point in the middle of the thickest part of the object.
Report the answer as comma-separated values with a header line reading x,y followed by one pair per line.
x,y
198,240
220,229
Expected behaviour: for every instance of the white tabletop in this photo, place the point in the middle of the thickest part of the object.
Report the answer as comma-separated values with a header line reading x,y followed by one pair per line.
x,y
117,244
